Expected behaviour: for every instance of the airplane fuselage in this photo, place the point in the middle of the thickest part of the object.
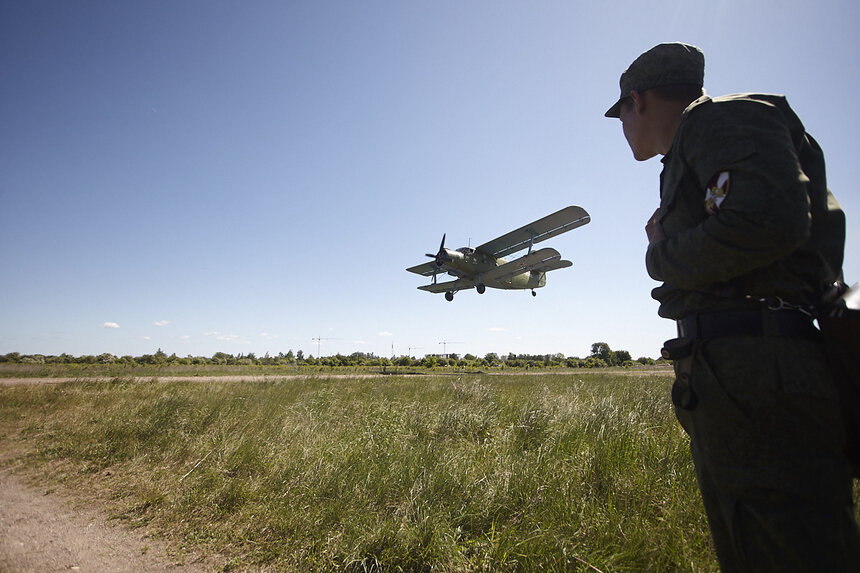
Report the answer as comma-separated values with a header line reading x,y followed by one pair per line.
x,y
469,263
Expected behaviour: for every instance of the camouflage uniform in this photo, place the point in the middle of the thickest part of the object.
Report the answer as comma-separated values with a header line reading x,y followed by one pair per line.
x,y
746,211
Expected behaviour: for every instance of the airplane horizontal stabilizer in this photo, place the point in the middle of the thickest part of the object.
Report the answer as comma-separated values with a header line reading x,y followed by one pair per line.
x,y
553,265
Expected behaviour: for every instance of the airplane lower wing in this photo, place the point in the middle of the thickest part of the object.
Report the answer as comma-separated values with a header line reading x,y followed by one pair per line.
x,y
426,269
452,286
557,223
542,260
430,269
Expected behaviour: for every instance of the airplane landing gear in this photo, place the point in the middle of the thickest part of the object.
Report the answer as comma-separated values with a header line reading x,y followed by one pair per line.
x,y
481,288
449,296
534,293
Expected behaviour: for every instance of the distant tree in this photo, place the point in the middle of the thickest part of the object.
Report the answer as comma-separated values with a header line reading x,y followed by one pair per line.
x,y
602,351
592,362
622,356
221,358
106,358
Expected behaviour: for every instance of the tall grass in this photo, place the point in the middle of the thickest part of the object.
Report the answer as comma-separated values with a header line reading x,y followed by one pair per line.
x,y
561,472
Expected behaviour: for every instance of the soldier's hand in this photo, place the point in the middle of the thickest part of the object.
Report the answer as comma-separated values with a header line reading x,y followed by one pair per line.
x,y
654,230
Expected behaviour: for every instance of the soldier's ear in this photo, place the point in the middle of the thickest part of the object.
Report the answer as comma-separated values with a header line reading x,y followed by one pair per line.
x,y
638,99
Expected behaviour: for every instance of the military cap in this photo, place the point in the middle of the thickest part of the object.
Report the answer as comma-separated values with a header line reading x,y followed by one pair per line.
x,y
663,65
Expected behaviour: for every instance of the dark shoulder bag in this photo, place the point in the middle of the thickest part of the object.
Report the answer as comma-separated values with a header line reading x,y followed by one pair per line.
x,y
839,319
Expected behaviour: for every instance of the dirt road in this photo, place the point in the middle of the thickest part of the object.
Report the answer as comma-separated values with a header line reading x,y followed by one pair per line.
x,y
43,532
265,378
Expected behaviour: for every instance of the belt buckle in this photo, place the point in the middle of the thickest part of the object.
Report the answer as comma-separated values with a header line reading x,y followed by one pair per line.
x,y
687,326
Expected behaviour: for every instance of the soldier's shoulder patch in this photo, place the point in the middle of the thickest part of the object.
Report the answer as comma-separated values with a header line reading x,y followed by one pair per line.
x,y
716,192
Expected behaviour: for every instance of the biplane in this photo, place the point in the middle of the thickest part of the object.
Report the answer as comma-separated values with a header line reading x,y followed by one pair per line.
x,y
483,266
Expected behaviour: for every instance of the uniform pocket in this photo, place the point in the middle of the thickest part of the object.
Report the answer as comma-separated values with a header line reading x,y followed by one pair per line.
x,y
803,369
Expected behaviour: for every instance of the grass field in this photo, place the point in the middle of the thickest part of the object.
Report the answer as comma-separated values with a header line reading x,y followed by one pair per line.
x,y
575,471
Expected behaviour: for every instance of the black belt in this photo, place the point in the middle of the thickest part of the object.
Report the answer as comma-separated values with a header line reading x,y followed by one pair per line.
x,y
748,322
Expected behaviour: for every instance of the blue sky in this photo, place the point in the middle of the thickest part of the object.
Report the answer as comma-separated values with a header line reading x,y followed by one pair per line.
x,y
248,176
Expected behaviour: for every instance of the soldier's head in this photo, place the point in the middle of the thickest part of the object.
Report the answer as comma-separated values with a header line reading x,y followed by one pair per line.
x,y
655,88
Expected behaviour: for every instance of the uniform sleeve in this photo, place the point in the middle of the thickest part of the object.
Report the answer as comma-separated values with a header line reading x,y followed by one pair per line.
x,y
764,216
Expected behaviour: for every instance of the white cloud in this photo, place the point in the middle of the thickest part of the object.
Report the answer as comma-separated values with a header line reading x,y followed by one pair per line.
x,y
185,338
147,338
109,325
497,329
162,323
266,335
232,338
211,333
384,333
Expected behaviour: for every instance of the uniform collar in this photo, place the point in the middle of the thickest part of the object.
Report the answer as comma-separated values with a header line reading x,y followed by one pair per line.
x,y
689,109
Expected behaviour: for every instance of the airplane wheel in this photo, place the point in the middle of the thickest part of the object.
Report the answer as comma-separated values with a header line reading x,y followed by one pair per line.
x,y
449,296
481,288
534,293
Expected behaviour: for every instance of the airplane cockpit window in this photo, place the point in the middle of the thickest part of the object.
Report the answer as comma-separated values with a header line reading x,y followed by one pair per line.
x,y
466,250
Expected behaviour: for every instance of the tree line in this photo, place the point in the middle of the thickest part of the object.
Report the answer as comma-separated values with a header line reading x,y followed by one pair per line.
x,y
601,356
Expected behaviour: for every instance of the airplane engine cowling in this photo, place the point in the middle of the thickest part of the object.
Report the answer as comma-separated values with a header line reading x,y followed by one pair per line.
x,y
448,256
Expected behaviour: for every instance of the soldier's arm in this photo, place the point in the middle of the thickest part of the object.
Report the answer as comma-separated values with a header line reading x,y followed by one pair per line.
x,y
763,217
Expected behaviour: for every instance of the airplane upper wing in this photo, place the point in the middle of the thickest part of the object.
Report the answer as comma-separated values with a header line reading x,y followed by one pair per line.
x,y
542,260
559,222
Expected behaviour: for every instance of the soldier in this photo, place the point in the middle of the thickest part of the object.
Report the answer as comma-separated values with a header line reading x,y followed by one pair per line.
x,y
745,241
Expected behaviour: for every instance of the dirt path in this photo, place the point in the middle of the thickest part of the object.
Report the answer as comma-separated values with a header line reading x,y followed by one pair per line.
x,y
236,378
43,532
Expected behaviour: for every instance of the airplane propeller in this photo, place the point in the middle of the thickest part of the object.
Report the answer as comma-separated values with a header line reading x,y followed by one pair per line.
x,y
441,257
